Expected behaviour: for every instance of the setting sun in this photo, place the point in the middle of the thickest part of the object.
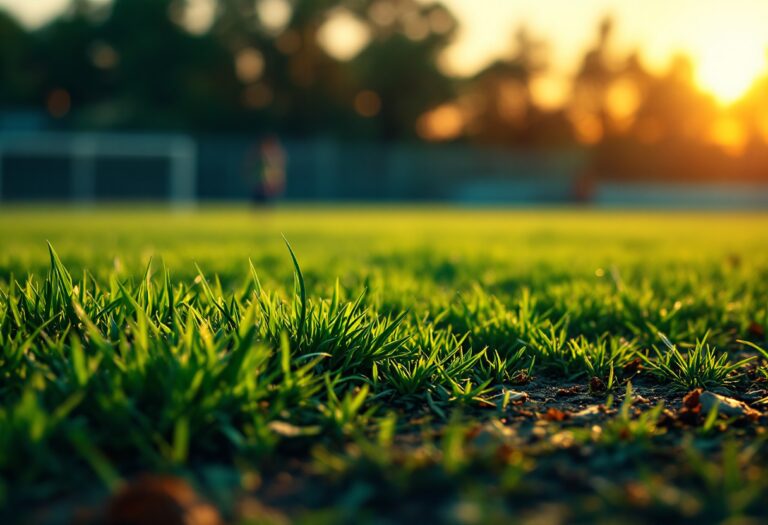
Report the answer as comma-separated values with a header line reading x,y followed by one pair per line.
x,y
727,66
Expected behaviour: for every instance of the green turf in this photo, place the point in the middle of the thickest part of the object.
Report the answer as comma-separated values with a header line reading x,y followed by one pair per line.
x,y
409,364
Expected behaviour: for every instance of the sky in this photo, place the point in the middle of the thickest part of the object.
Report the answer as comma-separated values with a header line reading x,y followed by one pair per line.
x,y
727,39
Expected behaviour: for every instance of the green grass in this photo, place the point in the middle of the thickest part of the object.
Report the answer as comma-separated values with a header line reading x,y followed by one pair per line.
x,y
393,365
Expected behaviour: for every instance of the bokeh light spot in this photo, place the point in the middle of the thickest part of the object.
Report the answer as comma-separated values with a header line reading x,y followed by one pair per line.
x,y
367,103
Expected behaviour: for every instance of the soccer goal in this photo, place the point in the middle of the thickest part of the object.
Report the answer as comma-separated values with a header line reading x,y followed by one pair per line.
x,y
85,154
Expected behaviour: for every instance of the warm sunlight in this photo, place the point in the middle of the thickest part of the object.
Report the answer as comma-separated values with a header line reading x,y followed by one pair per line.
x,y
383,261
729,63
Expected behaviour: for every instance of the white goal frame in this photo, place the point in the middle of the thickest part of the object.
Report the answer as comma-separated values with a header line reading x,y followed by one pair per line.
x,y
85,148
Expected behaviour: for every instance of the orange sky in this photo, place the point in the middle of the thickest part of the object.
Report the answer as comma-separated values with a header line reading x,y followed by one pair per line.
x,y
726,38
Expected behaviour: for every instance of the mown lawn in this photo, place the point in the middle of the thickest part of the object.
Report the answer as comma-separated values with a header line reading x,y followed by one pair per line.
x,y
409,365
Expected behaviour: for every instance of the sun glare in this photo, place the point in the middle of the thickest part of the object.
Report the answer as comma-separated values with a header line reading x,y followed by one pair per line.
x,y
727,66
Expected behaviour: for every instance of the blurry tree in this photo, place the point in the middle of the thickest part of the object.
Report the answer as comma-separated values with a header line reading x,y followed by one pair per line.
x,y
673,107
60,61
670,135
18,84
163,75
752,113
588,107
629,88
500,95
304,90
752,110
130,64
397,76
286,78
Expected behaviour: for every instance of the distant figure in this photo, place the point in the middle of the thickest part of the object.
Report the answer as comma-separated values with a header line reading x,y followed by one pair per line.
x,y
265,171
584,187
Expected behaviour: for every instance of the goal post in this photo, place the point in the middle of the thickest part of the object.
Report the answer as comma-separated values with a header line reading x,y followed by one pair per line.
x,y
85,149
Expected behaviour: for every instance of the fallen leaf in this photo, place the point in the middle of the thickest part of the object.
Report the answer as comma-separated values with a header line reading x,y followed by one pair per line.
x,y
633,367
159,500
520,377
553,414
569,391
691,399
756,329
691,410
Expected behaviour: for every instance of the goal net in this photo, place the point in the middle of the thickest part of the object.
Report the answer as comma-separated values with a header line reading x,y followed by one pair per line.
x,y
86,167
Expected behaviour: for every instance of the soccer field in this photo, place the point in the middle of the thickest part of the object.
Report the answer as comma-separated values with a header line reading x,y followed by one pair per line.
x,y
410,364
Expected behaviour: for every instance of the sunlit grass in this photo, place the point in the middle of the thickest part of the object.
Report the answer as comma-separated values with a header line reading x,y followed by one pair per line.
x,y
386,342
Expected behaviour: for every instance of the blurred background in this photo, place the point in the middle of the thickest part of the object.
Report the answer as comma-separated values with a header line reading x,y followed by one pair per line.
x,y
612,103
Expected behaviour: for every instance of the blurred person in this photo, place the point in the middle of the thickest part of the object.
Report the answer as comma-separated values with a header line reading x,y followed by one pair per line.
x,y
585,186
265,171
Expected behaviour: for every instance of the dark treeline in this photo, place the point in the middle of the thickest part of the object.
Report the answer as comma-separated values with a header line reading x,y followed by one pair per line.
x,y
145,65
134,64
